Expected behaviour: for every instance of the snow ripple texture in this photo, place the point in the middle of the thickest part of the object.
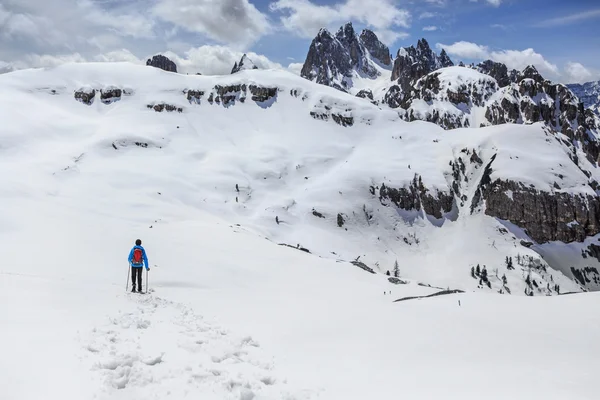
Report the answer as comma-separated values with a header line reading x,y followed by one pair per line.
x,y
163,350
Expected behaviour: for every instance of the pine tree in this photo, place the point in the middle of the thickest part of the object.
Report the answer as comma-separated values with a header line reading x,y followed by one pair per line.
x,y
509,265
484,274
396,269
504,280
489,284
472,272
388,272
477,270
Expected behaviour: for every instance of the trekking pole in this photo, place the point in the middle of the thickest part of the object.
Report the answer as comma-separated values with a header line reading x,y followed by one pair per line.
x,y
146,281
127,284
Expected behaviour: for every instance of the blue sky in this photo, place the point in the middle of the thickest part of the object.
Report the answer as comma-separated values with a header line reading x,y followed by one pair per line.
x,y
562,38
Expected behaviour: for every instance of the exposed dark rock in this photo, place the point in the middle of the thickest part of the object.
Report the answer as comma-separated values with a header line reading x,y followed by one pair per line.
x,y
362,265
332,60
417,197
496,70
378,50
396,281
297,247
165,107
245,63
365,94
85,95
262,94
412,63
194,95
162,62
111,94
340,220
585,276
545,216
442,293
317,214
343,120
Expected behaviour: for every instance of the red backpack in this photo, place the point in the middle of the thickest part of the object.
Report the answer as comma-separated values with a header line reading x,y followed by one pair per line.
x,y
137,257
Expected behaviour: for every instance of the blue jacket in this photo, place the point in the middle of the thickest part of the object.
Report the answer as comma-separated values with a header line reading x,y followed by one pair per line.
x,y
130,258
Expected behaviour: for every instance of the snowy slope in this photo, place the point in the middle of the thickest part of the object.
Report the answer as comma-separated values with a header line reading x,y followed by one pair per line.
x,y
235,315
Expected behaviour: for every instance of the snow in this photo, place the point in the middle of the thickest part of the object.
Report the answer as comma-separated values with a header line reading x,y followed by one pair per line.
x,y
233,314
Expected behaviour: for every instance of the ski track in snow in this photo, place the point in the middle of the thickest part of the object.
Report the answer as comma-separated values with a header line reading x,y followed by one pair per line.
x,y
158,341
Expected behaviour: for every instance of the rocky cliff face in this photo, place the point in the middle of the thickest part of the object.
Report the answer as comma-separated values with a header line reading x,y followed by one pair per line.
x,y
412,63
335,60
378,50
545,216
418,197
533,99
245,63
162,62
498,71
589,94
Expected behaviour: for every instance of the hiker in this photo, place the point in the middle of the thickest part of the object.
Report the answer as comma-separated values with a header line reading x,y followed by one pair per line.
x,y
137,259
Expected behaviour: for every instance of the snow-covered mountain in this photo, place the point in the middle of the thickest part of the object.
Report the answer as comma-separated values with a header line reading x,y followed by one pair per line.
x,y
341,59
427,182
272,208
589,94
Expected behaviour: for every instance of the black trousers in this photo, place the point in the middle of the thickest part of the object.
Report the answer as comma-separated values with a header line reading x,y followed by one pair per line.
x,y
136,274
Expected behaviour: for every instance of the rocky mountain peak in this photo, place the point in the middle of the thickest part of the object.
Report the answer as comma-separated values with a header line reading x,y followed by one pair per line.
x,y
162,62
245,63
335,60
413,63
531,72
378,50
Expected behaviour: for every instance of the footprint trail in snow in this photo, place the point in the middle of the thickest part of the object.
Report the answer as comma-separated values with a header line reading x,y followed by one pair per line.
x,y
163,350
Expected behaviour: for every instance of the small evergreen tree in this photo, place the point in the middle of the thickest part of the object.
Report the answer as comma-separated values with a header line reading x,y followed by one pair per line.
x,y
388,272
484,274
396,269
504,280
472,272
477,270
509,265
489,284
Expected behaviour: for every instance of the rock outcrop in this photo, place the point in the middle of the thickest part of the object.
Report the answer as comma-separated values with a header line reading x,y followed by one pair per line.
x,y
85,95
545,216
162,62
418,197
334,60
498,71
412,63
533,99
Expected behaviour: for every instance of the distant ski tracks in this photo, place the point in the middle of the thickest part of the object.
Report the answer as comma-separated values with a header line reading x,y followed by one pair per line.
x,y
162,350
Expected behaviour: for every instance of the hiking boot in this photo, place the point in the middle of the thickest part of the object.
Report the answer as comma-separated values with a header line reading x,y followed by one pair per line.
x,y
140,290
132,290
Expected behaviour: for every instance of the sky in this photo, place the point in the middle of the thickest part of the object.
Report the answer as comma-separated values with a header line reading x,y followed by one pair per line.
x,y
561,38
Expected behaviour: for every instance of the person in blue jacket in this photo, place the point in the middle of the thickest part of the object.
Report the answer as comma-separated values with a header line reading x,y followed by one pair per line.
x,y
137,259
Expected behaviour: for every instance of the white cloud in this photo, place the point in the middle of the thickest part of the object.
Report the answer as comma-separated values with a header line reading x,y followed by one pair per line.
x,y
466,50
235,22
305,18
499,26
577,73
430,28
520,59
118,56
427,14
514,59
295,68
5,67
215,60
494,3
569,19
